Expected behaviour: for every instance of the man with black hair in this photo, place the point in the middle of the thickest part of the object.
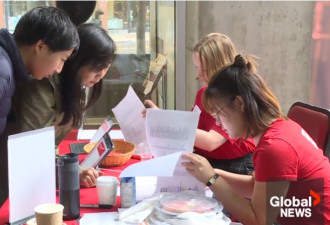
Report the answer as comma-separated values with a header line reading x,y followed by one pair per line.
x,y
43,40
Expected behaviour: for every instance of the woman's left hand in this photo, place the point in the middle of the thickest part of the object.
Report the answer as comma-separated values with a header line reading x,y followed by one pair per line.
x,y
198,166
88,177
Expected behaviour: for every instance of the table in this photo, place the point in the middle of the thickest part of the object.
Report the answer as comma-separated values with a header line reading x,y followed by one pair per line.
x,y
87,195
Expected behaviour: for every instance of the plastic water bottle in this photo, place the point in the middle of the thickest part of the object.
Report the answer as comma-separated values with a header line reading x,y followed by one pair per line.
x,y
127,192
68,172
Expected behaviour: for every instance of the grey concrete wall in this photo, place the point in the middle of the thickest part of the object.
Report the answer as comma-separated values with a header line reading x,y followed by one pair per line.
x,y
279,33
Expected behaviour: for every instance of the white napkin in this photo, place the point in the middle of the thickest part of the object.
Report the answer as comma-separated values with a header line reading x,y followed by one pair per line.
x,y
139,212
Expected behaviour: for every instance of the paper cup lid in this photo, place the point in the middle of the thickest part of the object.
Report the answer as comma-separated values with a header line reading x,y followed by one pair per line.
x,y
48,208
106,180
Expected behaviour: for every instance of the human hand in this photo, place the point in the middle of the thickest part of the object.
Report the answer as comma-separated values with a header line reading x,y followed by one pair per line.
x,y
150,104
198,166
88,177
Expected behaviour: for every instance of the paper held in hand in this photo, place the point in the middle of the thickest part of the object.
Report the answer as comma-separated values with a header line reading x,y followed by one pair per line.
x,y
167,133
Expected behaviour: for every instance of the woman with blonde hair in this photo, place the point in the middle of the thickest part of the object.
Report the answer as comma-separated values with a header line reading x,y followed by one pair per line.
x,y
210,54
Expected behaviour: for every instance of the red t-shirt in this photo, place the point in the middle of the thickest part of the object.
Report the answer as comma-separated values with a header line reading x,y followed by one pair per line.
x,y
285,152
231,149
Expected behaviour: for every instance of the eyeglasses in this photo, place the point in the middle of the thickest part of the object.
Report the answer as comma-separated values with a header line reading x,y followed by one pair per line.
x,y
215,115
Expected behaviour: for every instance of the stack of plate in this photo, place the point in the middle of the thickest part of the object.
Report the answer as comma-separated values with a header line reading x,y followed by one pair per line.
x,y
172,204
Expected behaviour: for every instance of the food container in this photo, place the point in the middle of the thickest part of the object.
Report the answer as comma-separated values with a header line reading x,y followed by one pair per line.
x,y
172,204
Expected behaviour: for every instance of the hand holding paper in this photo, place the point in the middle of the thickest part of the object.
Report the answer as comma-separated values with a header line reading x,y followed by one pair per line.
x,y
168,133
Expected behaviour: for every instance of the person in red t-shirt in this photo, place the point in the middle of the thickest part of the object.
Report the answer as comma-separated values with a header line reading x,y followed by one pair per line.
x,y
291,182
211,54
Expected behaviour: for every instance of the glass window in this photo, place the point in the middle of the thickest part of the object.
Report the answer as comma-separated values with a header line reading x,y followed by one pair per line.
x,y
11,11
141,30
128,23
319,90
165,42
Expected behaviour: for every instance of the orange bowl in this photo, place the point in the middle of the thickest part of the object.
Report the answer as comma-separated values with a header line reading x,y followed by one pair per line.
x,y
122,152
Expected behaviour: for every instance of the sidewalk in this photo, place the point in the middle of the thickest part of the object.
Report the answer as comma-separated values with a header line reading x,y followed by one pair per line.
x,y
126,41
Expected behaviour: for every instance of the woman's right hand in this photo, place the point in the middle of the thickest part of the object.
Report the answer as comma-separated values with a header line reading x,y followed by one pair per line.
x,y
198,166
150,104
88,177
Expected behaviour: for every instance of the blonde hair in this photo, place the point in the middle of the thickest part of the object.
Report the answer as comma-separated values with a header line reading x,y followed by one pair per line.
x,y
215,51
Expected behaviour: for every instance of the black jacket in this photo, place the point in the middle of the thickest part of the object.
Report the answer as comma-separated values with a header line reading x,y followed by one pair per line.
x,y
12,70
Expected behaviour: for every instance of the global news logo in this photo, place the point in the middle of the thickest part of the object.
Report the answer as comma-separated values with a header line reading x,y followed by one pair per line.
x,y
294,207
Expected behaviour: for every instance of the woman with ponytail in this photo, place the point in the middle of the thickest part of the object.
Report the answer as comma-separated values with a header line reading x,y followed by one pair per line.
x,y
291,182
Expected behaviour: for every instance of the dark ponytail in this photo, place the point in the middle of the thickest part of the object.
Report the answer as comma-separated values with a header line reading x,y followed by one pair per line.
x,y
241,79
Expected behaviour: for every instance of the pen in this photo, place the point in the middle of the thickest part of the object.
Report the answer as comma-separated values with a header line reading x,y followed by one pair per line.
x,y
101,206
77,220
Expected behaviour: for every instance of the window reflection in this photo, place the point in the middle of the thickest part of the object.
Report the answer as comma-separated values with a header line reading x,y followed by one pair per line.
x,y
131,24
128,23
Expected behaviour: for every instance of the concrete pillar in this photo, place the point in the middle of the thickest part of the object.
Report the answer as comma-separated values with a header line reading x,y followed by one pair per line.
x,y
279,33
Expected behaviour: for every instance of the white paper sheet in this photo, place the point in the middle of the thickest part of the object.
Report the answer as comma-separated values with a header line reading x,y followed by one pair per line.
x,y
88,134
170,131
178,184
145,187
31,165
116,134
161,166
105,218
85,134
128,114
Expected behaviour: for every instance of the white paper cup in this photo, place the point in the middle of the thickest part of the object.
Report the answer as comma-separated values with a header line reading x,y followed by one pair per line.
x,y
49,214
107,190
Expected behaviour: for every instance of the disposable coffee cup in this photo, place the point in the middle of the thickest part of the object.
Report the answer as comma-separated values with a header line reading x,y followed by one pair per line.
x,y
107,191
49,214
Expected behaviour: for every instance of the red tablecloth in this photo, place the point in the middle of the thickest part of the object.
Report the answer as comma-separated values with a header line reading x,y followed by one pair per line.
x,y
87,195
